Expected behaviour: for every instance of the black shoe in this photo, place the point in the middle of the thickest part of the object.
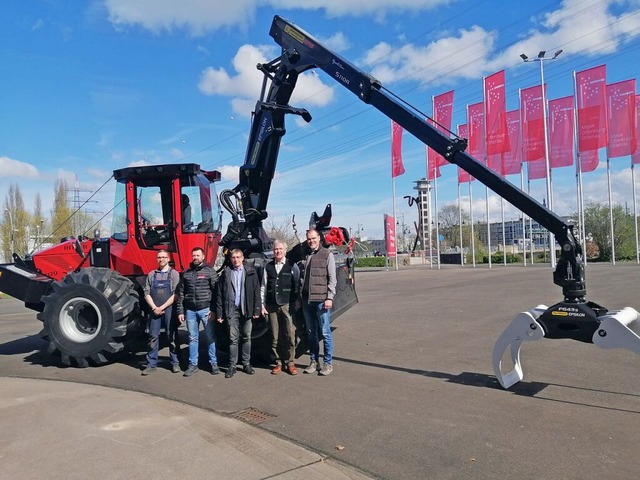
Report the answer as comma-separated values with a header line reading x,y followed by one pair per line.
x,y
248,369
215,370
191,370
148,371
230,372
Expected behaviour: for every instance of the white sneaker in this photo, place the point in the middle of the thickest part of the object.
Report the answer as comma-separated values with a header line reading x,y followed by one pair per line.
x,y
326,369
313,366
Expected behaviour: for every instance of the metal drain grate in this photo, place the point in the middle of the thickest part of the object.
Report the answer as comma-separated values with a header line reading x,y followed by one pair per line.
x,y
252,415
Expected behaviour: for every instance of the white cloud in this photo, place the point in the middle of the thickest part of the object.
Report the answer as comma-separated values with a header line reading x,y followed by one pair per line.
x,y
197,17
441,60
229,173
470,53
338,42
377,8
16,168
244,86
69,178
139,163
97,173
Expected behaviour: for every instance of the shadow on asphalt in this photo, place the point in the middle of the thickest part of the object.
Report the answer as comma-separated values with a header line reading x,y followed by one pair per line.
x,y
471,379
22,345
482,380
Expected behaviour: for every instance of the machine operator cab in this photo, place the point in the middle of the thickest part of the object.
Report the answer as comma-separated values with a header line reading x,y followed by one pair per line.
x,y
167,207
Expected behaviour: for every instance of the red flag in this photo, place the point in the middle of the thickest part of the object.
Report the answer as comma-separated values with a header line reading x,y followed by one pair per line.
x,y
475,124
442,114
495,107
588,160
390,235
635,158
397,168
532,123
591,97
463,177
561,132
433,159
494,162
537,169
621,110
511,159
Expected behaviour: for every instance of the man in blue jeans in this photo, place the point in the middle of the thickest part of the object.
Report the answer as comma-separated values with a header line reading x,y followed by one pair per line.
x,y
318,291
195,295
159,293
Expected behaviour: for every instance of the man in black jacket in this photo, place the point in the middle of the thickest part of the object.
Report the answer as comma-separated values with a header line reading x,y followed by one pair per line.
x,y
195,294
238,302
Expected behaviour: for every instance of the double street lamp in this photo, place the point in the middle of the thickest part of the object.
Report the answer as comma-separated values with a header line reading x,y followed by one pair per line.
x,y
542,58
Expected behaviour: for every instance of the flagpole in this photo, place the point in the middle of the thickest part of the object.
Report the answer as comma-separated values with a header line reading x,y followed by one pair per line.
x,y
460,223
504,240
524,220
486,163
488,223
430,220
435,196
530,220
552,241
613,243
473,236
635,211
541,58
580,193
395,232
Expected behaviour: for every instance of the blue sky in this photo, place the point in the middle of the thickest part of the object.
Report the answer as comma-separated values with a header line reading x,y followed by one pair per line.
x,y
91,86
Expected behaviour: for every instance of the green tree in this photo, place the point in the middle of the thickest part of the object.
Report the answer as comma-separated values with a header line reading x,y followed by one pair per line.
x,y
15,225
38,222
598,227
61,225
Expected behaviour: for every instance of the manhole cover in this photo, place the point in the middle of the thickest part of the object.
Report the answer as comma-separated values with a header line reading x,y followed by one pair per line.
x,y
252,415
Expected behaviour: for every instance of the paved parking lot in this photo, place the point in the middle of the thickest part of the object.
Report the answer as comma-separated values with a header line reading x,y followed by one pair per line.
x,y
413,394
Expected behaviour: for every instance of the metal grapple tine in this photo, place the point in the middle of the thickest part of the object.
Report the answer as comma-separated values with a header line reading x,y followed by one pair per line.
x,y
619,329
523,327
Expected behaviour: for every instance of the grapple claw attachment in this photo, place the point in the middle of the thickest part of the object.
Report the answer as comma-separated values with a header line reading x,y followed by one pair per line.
x,y
524,327
619,329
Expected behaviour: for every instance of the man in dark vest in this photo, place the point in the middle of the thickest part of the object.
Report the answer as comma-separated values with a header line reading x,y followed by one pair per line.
x,y
278,291
159,293
318,291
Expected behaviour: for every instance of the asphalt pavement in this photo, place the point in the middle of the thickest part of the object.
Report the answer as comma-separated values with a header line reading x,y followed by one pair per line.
x,y
412,395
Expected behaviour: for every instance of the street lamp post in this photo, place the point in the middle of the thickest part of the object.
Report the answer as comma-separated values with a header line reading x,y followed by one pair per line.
x,y
541,58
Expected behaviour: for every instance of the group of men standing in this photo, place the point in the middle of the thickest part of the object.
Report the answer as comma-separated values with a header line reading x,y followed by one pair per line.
x,y
237,298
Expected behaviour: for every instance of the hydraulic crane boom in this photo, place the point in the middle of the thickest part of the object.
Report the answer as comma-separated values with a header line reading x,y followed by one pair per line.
x,y
300,52
573,318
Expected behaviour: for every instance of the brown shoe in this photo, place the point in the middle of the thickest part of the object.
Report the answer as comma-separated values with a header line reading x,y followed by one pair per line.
x,y
277,369
293,370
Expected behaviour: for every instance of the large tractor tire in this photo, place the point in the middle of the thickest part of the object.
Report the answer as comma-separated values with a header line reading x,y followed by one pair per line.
x,y
87,315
